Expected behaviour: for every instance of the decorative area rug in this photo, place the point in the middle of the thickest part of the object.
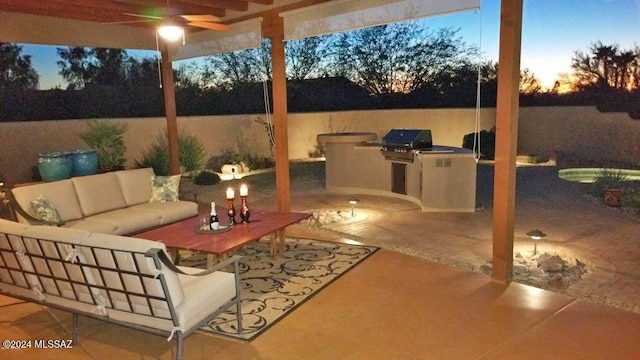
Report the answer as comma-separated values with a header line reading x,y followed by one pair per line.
x,y
272,288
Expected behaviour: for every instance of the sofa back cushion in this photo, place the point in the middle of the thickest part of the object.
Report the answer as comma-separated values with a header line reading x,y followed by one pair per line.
x,y
60,194
51,251
43,259
129,276
98,193
12,257
135,185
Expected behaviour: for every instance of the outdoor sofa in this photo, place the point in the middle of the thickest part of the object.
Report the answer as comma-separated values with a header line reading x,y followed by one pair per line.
x,y
125,280
122,202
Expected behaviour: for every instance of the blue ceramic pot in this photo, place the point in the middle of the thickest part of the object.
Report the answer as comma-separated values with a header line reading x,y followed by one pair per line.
x,y
54,166
85,162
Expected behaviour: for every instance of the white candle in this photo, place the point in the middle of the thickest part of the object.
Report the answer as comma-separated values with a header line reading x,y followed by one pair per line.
x,y
230,193
244,191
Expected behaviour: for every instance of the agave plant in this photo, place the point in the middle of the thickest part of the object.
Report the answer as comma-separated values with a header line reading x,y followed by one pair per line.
x,y
607,179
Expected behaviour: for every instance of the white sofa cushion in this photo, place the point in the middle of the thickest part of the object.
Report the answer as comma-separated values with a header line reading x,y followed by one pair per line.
x,y
102,254
220,288
61,194
170,212
135,185
128,221
98,193
63,266
11,246
91,225
203,295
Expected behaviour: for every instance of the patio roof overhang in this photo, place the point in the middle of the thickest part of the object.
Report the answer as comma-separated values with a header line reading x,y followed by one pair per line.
x,y
91,23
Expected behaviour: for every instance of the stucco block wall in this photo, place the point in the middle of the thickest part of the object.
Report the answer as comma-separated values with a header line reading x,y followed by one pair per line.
x,y
542,130
580,130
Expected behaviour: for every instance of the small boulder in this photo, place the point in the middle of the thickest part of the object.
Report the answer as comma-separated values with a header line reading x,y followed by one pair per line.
x,y
553,264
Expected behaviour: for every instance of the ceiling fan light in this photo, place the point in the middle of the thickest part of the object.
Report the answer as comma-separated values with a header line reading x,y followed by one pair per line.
x,y
170,32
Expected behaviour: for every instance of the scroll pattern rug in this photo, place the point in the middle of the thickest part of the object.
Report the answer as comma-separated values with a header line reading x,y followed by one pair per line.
x,y
272,288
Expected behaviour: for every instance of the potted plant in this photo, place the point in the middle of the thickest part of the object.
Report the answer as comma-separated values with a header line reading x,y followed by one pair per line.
x,y
106,137
607,184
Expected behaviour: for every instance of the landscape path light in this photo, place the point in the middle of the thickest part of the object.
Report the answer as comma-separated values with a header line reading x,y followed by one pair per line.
x,y
353,203
536,235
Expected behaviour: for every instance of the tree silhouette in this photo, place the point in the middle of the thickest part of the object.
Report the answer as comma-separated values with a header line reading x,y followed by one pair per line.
x,y
74,66
227,70
400,57
605,67
308,58
16,71
82,67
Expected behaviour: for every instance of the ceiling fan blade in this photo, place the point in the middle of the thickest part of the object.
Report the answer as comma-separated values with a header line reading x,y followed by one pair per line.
x,y
144,16
209,25
198,18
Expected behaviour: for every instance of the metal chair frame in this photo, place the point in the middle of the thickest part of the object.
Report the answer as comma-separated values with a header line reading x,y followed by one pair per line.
x,y
53,254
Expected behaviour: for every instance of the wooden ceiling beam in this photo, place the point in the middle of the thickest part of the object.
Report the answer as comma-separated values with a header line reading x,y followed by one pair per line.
x,y
236,5
97,10
188,8
65,11
261,2
100,5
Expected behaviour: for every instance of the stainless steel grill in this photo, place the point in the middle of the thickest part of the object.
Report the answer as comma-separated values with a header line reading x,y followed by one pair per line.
x,y
402,145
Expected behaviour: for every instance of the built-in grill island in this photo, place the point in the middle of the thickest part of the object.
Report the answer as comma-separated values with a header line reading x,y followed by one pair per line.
x,y
403,164
403,144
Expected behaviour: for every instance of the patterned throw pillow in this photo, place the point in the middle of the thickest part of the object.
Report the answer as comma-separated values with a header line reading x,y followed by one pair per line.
x,y
164,188
44,210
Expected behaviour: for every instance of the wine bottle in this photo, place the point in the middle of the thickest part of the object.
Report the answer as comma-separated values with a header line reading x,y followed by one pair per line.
x,y
214,223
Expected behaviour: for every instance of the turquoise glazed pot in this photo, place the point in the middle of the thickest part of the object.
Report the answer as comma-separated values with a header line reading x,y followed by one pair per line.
x,y
54,166
85,162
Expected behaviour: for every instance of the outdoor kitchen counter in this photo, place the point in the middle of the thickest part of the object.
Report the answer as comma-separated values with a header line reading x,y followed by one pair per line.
x,y
442,179
346,137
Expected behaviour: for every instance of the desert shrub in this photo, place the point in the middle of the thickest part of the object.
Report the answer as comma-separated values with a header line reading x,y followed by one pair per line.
x,y
487,143
253,162
318,151
191,153
155,157
107,138
206,178
537,158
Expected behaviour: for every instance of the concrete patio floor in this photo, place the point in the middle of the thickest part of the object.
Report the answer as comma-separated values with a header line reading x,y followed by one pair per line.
x,y
407,301
578,226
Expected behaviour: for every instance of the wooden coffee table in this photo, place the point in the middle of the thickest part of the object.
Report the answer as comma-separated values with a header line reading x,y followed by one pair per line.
x,y
182,234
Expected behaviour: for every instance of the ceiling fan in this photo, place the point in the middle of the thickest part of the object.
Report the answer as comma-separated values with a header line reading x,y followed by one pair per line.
x,y
171,22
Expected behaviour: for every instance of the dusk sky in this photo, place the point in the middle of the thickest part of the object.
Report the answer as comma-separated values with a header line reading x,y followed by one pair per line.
x,y
552,31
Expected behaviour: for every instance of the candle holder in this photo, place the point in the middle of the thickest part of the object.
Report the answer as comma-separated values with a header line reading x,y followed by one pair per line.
x,y
231,211
244,210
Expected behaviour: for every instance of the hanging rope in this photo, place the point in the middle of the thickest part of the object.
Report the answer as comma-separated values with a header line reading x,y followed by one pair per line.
x,y
476,135
267,107
267,111
159,59
160,55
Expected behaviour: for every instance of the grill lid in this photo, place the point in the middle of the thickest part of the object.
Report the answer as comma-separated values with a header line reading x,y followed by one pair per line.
x,y
408,138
